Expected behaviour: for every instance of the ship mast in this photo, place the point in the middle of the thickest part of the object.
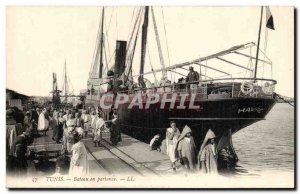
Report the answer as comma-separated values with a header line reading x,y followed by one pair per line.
x,y
144,41
55,92
101,45
258,41
65,82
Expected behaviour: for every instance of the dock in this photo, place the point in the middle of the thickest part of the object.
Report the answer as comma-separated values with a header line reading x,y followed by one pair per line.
x,y
130,157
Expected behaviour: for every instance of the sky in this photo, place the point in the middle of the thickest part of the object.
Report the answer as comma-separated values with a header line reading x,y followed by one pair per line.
x,y
40,39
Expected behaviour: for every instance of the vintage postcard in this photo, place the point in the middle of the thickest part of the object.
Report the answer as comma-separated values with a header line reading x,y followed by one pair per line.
x,y
150,97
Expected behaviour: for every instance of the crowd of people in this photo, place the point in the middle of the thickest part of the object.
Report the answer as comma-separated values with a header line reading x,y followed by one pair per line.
x,y
181,147
68,126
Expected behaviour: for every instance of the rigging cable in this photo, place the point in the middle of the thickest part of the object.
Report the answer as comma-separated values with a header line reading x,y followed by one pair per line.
x,y
131,23
154,74
134,28
167,41
93,68
117,23
107,30
131,55
250,64
164,73
280,97
106,60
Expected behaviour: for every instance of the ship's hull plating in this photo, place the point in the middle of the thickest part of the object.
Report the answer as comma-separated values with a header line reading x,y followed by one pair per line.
x,y
218,115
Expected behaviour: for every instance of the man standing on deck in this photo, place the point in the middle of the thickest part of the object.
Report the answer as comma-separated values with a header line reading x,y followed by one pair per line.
x,y
192,79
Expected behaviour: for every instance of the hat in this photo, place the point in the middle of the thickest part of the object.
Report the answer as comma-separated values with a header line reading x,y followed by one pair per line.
x,y
28,113
191,68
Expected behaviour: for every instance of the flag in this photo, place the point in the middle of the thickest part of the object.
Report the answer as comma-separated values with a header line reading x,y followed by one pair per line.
x,y
269,19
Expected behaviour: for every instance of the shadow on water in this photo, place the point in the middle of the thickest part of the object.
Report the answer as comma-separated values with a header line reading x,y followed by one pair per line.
x,y
236,171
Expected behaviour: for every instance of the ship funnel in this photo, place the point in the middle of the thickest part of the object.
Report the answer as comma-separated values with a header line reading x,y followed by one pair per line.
x,y
119,61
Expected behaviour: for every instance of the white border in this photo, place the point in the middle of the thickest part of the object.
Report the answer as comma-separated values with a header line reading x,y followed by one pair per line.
x,y
5,3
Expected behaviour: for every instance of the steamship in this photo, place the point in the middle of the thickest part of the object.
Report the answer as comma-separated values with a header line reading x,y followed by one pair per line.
x,y
226,104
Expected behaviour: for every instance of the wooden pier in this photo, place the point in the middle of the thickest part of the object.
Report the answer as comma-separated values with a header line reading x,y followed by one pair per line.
x,y
130,157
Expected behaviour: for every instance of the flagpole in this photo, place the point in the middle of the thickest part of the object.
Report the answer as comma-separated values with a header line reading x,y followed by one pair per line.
x,y
258,41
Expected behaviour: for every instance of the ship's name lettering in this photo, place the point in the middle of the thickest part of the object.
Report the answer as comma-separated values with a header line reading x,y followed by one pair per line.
x,y
250,109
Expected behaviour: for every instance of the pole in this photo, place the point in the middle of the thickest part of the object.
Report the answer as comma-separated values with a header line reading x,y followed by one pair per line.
x,y
258,41
144,40
101,45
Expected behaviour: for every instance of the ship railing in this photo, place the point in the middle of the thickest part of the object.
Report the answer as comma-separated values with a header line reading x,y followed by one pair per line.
x,y
217,88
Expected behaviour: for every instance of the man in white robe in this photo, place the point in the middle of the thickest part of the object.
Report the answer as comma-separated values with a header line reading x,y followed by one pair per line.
x,y
43,123
172,135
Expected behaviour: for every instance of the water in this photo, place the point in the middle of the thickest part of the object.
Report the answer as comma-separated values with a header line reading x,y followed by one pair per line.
x,y
268,145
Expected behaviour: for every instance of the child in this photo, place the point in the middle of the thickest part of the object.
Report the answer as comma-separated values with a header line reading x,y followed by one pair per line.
x,y
155,143
186,149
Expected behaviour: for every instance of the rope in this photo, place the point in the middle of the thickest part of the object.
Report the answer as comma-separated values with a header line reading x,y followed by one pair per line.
x,y
161,58
111,56
106,66
131,22
133,31
106,31
151,64
166,40
131,54
96,48
249,65
117,23
280,97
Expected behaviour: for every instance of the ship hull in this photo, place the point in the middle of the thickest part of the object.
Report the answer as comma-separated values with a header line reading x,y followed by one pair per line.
x,y
220,115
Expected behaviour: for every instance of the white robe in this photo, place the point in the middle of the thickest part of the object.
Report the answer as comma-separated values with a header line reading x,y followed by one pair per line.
x,y
171,144
79,165
87,121
94,119
43,123
99,128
